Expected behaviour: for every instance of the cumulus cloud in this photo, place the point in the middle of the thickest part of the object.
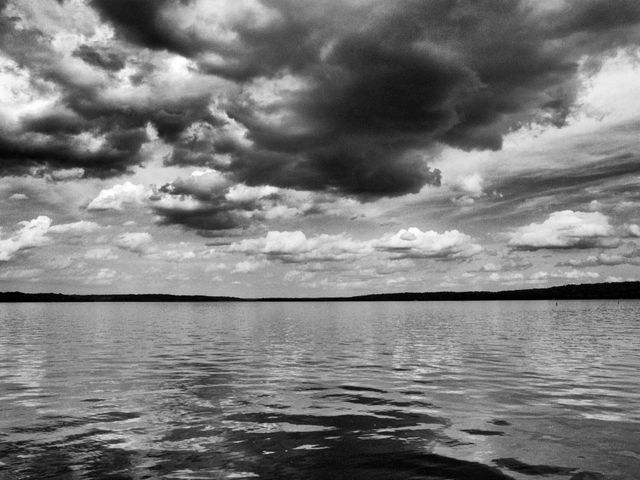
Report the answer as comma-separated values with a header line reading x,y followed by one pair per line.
x,y
75,228
114,198
414,243
296,247
633,230
30,234
248,266
18,196
470,187
564,230
208,200
34,233
288,93
136,242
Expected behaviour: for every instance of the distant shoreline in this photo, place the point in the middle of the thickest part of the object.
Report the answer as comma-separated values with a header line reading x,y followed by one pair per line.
x,y
590,291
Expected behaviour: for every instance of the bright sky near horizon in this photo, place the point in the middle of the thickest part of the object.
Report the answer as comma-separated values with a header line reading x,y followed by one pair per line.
x,y
308,148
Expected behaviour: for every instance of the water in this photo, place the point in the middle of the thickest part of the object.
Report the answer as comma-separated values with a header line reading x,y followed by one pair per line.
x,y
472,390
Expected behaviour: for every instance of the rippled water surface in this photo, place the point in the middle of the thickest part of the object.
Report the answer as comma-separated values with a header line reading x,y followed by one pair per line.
x,y
468,390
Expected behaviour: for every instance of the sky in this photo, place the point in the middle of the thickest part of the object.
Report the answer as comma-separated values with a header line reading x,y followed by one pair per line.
x,y
310,148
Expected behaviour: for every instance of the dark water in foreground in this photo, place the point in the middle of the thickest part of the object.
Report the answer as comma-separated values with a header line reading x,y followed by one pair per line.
x,y
471,391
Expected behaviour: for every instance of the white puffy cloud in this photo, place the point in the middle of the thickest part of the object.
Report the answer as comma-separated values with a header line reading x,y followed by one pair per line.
x,y
248,266
136,242
407,243
566,229
18,98
471,184
116,197
66,174
633,230
296,247
75,228
18,197
31,233
200,184
414,243
241,193
471,187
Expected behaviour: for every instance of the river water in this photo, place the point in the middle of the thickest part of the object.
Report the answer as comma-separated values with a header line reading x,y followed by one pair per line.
x,y
388,390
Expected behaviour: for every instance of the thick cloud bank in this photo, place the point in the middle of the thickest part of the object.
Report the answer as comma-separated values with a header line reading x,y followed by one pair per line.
x,y
564,230
352,97
296,247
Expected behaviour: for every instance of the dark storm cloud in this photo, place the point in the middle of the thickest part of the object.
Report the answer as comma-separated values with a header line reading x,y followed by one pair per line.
x,y
207,218
48,137
100,57
141,22
76,108
350,97
402,78
202,203
114,157
598,16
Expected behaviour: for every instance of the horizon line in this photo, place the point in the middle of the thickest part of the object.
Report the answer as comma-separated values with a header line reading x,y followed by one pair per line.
x,y
583,291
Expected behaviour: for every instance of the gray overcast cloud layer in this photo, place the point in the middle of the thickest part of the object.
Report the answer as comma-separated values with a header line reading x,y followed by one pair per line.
x,y
369,87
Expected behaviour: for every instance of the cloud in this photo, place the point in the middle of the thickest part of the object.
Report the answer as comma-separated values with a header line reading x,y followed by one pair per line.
x,y
633,230
114,198
18,196
208,200
631,257
512,264
30,234
172,255
564,230
294,247
75,228
33,233
100,57
100,254
104,276
412,243
248,266
79,101
136,242
511,277
566,275
290,94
